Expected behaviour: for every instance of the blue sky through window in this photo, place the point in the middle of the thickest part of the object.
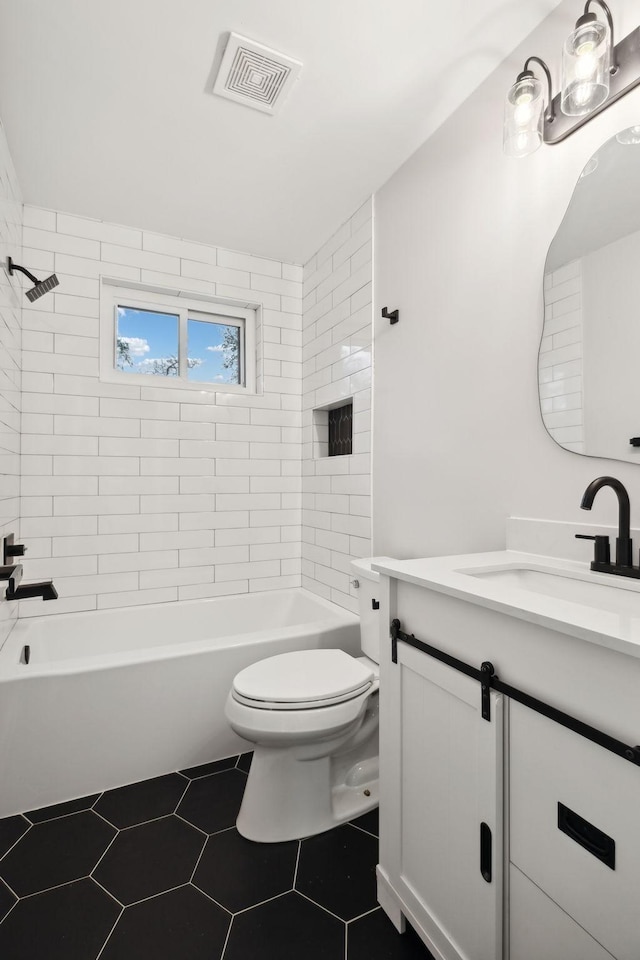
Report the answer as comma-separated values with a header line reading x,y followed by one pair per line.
x,y
147,342
207,343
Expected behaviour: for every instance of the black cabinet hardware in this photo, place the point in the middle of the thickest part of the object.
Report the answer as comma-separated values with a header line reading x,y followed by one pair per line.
x,y
485,851
635,441
375,604
391,315
593,840
490,680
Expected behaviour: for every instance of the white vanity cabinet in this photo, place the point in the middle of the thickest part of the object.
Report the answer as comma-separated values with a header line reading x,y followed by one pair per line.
x,y
442,778
563,811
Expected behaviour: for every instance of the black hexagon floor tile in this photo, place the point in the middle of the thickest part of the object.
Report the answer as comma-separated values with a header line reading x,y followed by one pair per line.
x,y
369,822
11,829
180,925
239,873
56,852
375,938
69,923
150,859
205,769
287,928
338,870
138,802
212,803
61,809
7,900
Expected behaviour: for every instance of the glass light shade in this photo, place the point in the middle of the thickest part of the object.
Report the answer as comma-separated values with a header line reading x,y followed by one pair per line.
x,y
523,117
629,136
586,58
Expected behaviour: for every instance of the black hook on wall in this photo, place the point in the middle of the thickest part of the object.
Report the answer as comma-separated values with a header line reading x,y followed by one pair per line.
x,y
391,315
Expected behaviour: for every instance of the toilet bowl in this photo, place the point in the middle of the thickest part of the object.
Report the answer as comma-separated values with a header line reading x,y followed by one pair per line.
x,y
312,716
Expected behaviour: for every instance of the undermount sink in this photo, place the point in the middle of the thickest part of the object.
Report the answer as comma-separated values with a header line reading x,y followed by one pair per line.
x,y
619,597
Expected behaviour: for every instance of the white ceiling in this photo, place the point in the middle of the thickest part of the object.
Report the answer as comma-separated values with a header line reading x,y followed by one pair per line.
x,y
108,112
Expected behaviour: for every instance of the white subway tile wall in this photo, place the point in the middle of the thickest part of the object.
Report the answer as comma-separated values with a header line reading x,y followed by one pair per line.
x,y
138,494
10,335
336,364
560,366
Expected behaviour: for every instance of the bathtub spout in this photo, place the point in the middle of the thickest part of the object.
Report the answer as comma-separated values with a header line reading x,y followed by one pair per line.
x,y
45,589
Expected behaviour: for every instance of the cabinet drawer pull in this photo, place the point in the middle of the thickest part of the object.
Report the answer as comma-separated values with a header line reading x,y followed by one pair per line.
x,y
594,841
485,851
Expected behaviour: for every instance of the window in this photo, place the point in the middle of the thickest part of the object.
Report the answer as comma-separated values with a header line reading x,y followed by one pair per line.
x,y
179,341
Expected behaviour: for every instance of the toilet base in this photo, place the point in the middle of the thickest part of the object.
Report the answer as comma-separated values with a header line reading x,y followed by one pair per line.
x,y
289,796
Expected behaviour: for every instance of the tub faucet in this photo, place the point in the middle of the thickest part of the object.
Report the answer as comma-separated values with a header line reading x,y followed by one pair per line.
x,y
623,565
44,589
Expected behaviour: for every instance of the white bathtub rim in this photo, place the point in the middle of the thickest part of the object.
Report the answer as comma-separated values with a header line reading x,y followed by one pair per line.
x,y
11,667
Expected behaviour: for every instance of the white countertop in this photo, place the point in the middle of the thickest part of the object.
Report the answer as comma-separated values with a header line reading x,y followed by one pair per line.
x,y
616,630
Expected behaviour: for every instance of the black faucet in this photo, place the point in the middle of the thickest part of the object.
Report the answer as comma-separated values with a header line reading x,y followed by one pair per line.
x,y
12,572
44,589
623,565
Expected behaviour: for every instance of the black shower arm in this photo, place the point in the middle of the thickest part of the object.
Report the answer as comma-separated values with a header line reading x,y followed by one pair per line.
x,y
14,266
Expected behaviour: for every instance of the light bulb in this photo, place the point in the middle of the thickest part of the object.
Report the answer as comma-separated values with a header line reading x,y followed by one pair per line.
x,y
523,117
585,67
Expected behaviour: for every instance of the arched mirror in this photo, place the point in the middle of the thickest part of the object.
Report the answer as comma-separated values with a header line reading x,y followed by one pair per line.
x,y
589,361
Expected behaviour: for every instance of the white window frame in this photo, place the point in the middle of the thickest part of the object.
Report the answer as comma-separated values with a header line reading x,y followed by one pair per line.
x,y
185,307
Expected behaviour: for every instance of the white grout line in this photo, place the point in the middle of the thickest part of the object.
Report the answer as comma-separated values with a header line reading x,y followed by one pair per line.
x,y
161,893
365,914
193,872
262,902
199,829
62,816
182,796
56,886
209,897
108,822
109,935
11,908
316,904
108,892
224,949
362,830
29,827
113,838
295,872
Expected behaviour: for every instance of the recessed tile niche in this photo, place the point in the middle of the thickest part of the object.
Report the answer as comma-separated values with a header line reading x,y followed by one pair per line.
x,y
333,430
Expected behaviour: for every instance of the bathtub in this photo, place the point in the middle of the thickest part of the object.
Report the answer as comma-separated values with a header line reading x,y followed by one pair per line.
x,y
111,697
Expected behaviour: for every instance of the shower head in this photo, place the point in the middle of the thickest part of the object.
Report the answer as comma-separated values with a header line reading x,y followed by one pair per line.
x,y
40,287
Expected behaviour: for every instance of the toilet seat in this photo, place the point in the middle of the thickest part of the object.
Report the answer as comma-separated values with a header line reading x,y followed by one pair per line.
x,y
302,680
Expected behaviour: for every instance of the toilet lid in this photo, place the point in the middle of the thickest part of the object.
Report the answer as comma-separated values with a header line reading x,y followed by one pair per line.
x,y
303,678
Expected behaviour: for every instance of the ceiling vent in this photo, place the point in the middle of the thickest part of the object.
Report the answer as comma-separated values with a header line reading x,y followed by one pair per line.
x,y
255,75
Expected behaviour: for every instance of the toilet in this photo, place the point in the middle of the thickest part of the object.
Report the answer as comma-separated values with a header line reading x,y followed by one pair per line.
x,y
312,716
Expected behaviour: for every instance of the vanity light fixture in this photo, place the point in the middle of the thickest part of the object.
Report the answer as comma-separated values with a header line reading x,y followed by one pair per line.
x,y
595,73
524,116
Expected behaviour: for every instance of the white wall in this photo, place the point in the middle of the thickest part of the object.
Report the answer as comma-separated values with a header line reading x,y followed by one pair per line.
x,y
10,333
337,365
461,237
139,494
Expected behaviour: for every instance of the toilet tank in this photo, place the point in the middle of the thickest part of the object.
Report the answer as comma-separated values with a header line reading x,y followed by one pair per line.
x,y
368,592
